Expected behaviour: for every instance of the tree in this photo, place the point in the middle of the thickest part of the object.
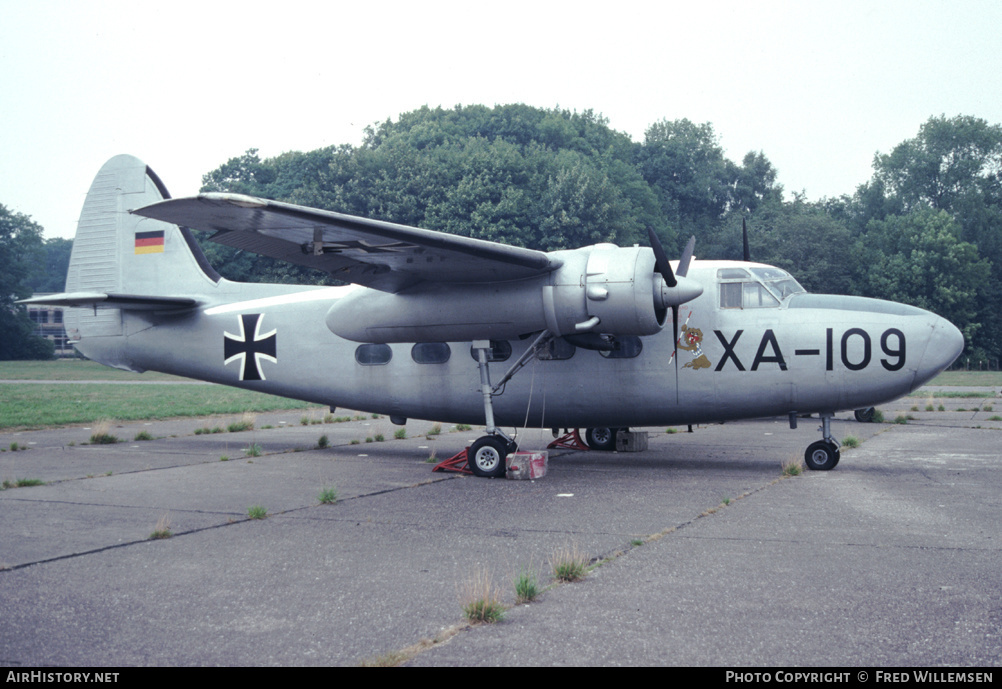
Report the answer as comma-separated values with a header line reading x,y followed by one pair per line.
x,y
685,165
953,165
20,255
919,259
57,261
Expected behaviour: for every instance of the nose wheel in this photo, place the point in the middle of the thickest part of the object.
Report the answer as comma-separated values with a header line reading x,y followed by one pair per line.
x,y
823,455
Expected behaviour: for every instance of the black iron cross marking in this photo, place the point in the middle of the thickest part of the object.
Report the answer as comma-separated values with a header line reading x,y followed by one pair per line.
x,y
250,351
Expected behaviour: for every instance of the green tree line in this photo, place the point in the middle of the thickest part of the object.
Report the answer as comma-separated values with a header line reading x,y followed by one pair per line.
x,y
926,229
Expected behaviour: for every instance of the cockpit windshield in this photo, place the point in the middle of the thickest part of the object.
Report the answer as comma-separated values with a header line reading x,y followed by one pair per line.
x,y
777,281
755,287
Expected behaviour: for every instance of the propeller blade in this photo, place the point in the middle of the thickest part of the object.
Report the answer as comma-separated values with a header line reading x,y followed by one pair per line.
x,y
744,236
661,263
674,326
683,263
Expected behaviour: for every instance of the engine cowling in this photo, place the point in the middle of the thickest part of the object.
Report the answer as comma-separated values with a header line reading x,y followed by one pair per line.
x,y
601,288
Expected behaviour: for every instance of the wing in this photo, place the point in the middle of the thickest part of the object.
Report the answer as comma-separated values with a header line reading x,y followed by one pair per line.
x,y
373,253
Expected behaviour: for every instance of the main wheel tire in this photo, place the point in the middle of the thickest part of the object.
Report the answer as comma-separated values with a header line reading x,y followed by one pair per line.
x,y
601,438
486,456
822,456
865,415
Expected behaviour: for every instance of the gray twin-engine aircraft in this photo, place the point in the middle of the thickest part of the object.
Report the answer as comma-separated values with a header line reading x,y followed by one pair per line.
x,y
574,339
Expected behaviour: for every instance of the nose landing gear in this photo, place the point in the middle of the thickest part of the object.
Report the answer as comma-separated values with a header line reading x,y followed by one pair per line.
x,y
823,455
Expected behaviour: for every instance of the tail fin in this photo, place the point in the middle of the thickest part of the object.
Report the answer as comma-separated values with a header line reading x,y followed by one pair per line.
x,y
121,261
123,264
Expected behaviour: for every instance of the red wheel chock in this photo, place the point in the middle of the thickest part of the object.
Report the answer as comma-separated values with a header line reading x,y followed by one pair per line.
x,y
456,463
569,441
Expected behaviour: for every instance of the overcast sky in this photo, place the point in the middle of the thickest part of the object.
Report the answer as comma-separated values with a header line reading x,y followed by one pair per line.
x,y
818,87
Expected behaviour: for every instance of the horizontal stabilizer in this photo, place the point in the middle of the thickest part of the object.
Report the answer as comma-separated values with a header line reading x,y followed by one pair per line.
x,y
127,302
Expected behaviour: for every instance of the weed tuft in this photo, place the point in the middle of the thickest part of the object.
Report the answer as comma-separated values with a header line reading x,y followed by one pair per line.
x,y
400,433
102,434
143,435
254,450
526,586
328,496
463,427
323,442
23,483
901,419
850,441
257,512
162,529
481,599
379,437
793,467
434,430
246,423
569,564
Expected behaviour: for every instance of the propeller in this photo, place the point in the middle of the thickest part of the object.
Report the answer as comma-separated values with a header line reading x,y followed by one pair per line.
x,y
688,291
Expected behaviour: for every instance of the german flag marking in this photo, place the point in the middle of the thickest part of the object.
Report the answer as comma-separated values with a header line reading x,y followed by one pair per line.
x,y
150,242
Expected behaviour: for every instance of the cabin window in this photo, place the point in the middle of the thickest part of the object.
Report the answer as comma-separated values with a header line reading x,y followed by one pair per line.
x,y
500,351
431,352
626,347
373,354
556,350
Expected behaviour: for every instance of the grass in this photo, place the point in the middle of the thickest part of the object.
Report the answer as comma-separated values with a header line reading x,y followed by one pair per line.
x,y
143,435
434,430
257,512
972,378
246,423
323,442
23,483
378,438
162,529
569,564
526,586
400,433
793,467
74,369
328,496
480,598
850,441
463,427
102,435
253,450
901,419
41,405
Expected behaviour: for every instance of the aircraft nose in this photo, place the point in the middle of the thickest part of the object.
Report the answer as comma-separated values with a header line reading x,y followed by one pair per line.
x,y
946,342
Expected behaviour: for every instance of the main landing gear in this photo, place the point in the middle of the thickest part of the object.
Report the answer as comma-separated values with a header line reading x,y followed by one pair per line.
x,y
823,455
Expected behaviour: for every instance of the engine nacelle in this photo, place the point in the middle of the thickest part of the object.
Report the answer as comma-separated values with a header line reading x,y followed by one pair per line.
x,y
601,288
